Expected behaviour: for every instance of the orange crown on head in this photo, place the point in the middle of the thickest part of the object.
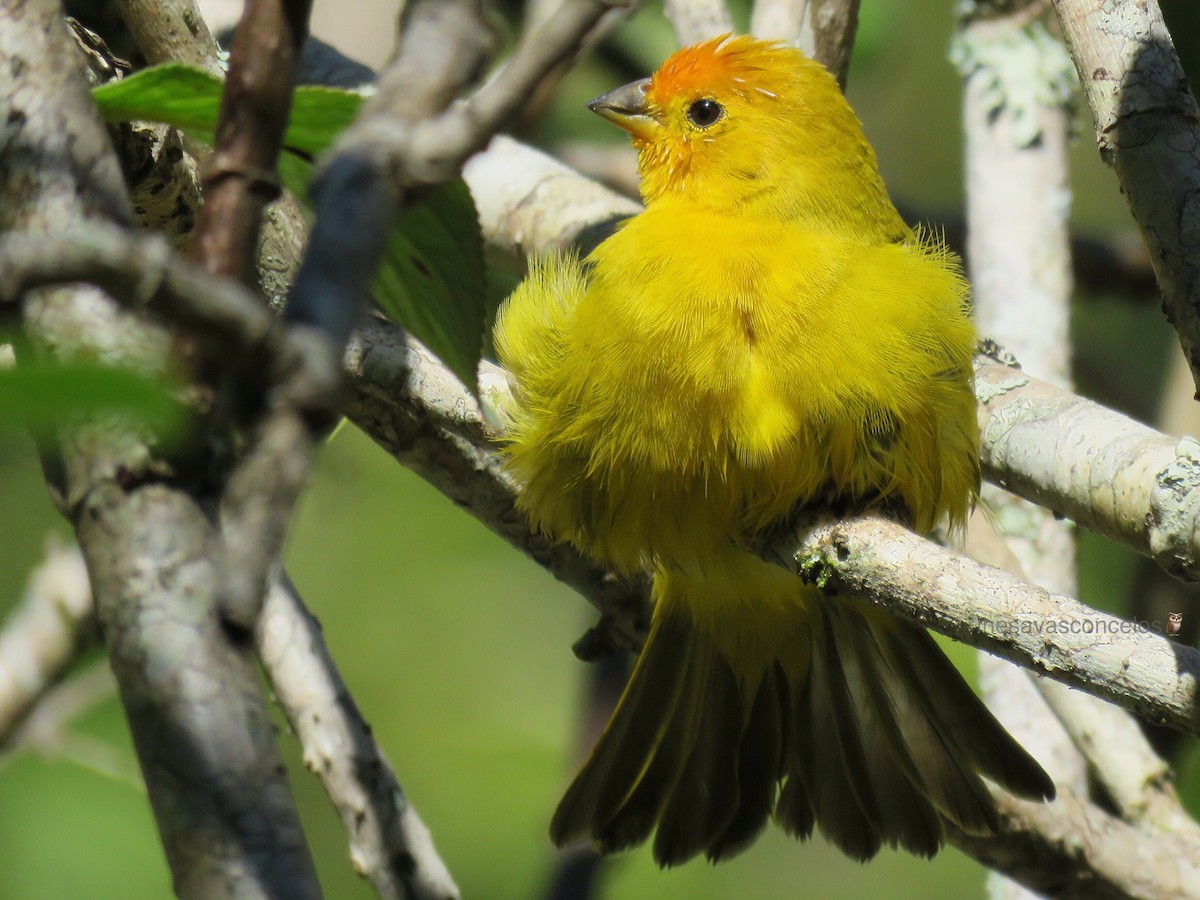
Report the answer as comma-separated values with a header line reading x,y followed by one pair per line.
x,y
726,63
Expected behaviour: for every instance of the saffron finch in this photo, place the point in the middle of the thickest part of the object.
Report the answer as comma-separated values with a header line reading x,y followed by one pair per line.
x,y
768,334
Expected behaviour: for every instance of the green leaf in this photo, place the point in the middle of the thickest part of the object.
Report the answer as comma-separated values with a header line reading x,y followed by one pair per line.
x,y
432,280
177,95
42,396
190,100
319,114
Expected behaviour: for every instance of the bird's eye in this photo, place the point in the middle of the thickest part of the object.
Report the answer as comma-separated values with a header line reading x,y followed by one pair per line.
x,y
704,113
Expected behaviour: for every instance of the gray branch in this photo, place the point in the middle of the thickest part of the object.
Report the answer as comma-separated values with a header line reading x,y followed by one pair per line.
x,y
879,562
389,844
1148,130
44,634
201,728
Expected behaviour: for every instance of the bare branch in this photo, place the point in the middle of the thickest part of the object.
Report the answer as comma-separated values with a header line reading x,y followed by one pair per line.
x,y
781,20
48,732
1148,129
200,726
140,270
44,633
827,34
199,723
171,31
1121,479
1136,778
824,29
541,49
444,53
1072,849
875,561
530,204
389,844
698,20
239,179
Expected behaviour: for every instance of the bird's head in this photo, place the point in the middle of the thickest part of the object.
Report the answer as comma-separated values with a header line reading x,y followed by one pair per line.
x,y
743,124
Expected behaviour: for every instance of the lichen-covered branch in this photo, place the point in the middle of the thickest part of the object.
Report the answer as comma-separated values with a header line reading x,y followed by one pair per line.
x,y
1110,474
873,560
1148,129
1015,119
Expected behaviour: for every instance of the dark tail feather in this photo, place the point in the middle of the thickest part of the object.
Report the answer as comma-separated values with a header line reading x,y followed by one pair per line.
x,y
983,740
906,817
696,751
760,762
832,760
630,740
632,823
705,798
874,734
926,738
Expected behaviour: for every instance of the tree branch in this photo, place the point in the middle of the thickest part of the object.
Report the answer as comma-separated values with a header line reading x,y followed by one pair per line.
x,y
1120,479
171,31
389,844
199,723
44,633
698,20
1148,129
827,34
239,178
876,561
140,270
1072,849
1015,123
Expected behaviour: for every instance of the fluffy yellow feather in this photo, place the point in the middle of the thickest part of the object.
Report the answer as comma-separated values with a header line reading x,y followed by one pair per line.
x,y
767,335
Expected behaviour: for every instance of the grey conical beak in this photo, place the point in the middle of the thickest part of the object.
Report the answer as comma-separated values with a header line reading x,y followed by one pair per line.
x,y
628,107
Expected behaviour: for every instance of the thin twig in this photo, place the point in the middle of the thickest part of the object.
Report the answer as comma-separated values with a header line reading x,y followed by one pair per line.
x,y
239,178
389,844
44,633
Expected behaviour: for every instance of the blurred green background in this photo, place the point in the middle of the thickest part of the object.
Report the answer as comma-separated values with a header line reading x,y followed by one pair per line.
x,y
458,649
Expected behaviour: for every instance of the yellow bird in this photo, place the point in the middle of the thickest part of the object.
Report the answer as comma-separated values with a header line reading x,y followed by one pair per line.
x,y
767,335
